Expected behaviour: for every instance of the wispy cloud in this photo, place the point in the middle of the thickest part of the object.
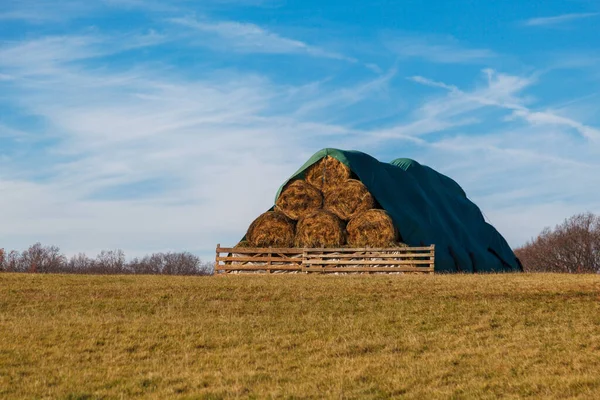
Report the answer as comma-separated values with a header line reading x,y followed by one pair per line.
x,y
44,11
501,92
439,49
558,19
336,99
459,108
42,55
115,130
250,38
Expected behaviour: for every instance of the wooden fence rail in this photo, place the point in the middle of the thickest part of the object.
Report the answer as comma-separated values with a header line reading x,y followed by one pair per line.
x,y
325,260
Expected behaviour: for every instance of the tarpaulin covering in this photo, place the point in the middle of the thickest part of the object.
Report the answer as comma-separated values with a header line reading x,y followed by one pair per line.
x,y
428,208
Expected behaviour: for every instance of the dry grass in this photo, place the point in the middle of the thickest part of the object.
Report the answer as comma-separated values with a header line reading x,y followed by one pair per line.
x,y
320,229
271,229
299,199
372,228
348,199
297,336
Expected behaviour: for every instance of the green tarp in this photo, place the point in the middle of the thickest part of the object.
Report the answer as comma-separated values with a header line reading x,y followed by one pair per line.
x,y
428,208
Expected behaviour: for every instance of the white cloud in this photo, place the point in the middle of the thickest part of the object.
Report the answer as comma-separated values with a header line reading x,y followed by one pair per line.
x,y
212,142
341,98
46,11
46,55
439,49
250,38
558,19
549,118
502,92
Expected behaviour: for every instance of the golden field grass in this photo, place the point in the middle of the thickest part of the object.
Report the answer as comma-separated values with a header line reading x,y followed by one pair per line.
x,y
297,336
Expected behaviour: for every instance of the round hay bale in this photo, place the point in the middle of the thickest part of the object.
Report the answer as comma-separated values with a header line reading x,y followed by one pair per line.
x,y
327,173
372,228
320,229
271,229
348,199
298,199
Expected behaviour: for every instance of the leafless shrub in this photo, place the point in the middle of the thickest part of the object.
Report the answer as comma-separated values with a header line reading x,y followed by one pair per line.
x,y
573,247
48,259
12,262
110,262
80,264
43,259
170,264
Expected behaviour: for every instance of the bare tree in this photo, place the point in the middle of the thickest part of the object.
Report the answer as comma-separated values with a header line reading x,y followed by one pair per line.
x,y
44,259
110,262
48,259
573,247
183,263
2,261
12,262
80,264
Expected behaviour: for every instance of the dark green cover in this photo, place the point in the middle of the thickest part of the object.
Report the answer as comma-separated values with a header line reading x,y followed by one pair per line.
x,y
428,208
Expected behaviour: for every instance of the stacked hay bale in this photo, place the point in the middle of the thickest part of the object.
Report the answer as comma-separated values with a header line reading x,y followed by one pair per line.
x,y
327,209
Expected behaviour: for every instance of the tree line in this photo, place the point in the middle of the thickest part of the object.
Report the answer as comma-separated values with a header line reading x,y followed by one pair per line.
x,y
49,259
571,247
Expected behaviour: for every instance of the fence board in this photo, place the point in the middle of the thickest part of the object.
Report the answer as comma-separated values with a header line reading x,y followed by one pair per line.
x,y
367,262
323,260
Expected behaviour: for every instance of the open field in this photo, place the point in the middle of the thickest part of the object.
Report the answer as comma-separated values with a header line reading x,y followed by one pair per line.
x,y
413,336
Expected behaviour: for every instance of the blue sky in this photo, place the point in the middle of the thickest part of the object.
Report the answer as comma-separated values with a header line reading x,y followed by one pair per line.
x,y
150,127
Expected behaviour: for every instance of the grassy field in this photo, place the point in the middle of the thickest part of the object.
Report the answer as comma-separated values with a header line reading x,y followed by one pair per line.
x,y
85,337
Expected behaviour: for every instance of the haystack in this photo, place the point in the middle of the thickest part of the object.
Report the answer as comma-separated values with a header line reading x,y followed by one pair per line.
x,y
327,173
271,229
320,229
348,199
299,199
372,228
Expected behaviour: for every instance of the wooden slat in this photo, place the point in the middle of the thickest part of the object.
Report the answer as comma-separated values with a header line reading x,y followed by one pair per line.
x,y
295,250
327,260
357,249
259,259
259,267
367,262
265,250
367,269
376,255
304,257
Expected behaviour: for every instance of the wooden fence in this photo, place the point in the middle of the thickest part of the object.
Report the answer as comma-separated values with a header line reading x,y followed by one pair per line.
x,y
324,260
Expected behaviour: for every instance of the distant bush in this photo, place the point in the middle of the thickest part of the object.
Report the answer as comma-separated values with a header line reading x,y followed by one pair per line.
x,y
49,259
573,247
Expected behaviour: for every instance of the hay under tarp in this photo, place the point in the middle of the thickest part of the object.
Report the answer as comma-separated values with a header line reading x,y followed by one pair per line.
x,y
271,229
299,199
320,229
348,199
372,228
327,173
